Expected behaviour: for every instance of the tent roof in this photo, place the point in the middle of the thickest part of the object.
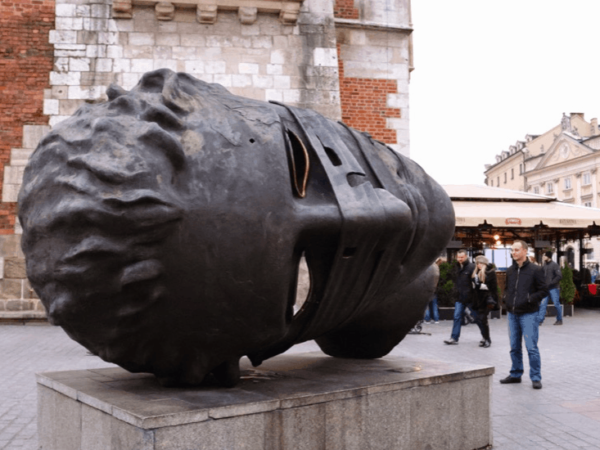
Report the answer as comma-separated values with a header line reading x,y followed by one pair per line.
x,y
476,192
519,215
483,211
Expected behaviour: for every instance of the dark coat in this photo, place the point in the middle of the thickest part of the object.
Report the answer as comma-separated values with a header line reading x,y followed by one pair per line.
x,y
553,274
480,296
462,280
525,288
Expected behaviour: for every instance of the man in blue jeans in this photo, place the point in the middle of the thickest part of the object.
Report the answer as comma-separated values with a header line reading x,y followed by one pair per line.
x,y
525,288
553,275
432,307
463,270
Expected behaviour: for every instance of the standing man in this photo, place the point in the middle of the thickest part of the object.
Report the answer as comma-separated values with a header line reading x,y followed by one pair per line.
x,y
463,269
525,288
553,275
432,310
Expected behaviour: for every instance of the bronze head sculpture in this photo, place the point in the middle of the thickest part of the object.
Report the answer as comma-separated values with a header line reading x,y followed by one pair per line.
x,y
163,231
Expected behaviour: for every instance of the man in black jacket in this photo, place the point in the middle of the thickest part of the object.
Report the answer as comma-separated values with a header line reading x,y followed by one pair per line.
x,y
463,270
553,276
525,289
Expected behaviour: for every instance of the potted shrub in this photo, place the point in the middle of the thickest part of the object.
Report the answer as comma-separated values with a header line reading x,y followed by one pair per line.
x,y
446,293
567,293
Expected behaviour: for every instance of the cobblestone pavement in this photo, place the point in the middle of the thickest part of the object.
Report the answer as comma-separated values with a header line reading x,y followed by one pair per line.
x,y
565,414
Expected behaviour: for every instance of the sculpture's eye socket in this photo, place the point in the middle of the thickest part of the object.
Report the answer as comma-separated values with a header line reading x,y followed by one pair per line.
x,y
300,163
333,157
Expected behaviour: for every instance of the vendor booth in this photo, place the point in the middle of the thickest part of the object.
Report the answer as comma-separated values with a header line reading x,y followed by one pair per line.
x,y
490,218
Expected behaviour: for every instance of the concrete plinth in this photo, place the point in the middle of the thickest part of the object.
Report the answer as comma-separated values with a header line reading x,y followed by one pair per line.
x,y
301,401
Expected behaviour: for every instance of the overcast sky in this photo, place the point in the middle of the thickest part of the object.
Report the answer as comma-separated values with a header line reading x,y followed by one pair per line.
x,y
489,72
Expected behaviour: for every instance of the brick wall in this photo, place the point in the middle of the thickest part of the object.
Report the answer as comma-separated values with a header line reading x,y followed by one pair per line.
x,y
26,58
374,56
344,9
364,104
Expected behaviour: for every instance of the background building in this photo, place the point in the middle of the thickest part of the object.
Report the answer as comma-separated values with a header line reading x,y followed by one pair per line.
x,y
348,59
560,163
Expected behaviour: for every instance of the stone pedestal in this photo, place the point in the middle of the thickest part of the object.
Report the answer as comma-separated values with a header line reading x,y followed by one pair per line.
x,y
301,401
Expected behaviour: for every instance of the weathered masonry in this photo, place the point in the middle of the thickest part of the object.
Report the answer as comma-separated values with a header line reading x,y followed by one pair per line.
x,y
347,59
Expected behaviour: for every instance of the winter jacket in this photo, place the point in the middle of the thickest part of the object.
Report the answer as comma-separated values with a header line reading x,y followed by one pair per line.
x,y
462,280
552,274
480,296
525,288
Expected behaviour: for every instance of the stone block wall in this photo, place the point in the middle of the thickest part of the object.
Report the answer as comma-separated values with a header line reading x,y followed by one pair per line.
x,y
16,294
17,298
266,60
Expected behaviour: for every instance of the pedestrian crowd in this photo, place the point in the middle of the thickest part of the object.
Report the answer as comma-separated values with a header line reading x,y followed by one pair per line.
x,y
529,288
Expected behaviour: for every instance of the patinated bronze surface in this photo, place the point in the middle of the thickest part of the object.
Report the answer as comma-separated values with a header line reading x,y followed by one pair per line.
x,y
163,231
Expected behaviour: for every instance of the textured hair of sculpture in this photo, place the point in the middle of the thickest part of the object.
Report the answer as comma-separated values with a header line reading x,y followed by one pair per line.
x,y
163,231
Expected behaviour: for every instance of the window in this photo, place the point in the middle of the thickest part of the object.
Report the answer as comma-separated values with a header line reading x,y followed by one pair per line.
x,y
520,169
568,183
536,189
512,174
504,177
587,204
587,179
497,181
491,182
550,187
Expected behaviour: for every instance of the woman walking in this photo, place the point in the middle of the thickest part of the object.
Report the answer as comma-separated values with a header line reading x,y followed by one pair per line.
x,y
485,296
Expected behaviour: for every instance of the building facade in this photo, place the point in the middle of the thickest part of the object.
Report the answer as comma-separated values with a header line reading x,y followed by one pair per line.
x,y
347,59
560,163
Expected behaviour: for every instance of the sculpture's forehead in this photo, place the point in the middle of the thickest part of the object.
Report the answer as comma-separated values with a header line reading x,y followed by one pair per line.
x,y
240,121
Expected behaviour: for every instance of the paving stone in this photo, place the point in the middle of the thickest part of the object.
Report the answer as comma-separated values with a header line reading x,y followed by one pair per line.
x,y
569,371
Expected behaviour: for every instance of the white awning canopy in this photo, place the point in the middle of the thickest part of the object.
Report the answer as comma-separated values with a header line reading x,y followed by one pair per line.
x,y
502,208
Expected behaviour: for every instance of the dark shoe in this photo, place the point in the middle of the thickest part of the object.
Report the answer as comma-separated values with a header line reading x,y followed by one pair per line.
x,y
541,323
558,322
537,384
482,342
451,342
510,380
486,344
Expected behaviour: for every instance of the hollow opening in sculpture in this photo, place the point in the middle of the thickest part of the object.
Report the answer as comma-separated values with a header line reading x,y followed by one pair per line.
x,y
348,252
300,163
303,285
333,157
356,179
